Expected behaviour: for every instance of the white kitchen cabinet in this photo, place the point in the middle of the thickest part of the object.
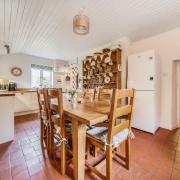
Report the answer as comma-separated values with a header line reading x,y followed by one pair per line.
x,y
6,118
26,103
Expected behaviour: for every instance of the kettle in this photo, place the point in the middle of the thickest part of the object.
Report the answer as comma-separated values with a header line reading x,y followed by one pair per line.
x,y
12,86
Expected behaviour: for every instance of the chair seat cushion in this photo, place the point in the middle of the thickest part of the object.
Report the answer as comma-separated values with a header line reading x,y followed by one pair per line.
x,y
68,125
46,122
57,128
101,134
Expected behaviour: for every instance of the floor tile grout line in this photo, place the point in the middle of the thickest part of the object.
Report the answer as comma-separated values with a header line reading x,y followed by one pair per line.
x,y
32,129
9,159
174,157
25,160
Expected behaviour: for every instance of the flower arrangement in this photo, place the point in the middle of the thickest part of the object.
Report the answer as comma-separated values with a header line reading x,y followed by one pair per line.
x,y
72,92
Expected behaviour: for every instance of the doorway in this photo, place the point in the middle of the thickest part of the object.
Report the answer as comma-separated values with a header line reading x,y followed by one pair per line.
x,y
178,91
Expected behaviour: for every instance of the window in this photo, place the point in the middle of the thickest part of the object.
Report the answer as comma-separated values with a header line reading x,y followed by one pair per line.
x,y
41,76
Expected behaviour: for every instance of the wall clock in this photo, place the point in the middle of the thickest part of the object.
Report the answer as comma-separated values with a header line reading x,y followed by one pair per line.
x,y
16,71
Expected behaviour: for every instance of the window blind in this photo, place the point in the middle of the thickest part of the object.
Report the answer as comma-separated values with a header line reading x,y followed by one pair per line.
x,y
41,67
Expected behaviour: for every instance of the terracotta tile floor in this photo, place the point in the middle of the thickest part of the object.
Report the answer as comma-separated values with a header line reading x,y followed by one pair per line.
x,y
153,157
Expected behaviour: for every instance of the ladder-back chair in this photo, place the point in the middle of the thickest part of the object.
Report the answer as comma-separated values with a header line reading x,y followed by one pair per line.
x,y
44,117
89,94
105,94
58,127
109,138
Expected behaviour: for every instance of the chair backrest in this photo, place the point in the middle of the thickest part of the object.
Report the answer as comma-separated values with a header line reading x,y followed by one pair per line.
x,y
42,95
89,94
119,110
105,94
55,105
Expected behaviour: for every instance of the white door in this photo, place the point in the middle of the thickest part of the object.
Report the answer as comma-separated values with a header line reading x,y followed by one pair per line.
x,y
145,112
141,71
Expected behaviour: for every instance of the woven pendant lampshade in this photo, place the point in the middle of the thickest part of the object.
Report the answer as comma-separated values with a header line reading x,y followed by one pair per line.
x,y
81,24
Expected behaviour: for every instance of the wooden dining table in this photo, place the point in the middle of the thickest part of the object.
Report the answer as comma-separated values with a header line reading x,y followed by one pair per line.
x,y
81,115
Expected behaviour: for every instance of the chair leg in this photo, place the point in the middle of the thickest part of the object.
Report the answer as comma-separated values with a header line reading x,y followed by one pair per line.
x,y
87,150
48,138
63,149
109,163
51,143
41,132
96,151
127,146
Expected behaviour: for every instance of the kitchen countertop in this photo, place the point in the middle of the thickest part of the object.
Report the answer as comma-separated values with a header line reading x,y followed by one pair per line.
x,y
20,90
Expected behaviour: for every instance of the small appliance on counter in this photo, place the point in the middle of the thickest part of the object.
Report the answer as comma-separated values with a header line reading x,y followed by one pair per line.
x,y
4,84
12,86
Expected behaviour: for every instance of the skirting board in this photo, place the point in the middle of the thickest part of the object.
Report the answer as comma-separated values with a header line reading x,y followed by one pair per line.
x,y
25,112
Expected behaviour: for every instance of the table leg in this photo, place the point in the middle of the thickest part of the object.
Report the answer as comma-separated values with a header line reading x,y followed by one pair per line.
x,y
63,149
79,141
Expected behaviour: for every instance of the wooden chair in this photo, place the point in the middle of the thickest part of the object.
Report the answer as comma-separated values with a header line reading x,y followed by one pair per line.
x,y
80,95
89,94
105,94
111,137
44,117
58,136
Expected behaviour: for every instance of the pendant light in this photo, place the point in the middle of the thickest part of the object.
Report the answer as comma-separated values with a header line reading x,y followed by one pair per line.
x,y
81,23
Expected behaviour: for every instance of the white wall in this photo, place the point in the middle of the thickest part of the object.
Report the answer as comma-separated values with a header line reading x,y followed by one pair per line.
x,y
167,46
24,62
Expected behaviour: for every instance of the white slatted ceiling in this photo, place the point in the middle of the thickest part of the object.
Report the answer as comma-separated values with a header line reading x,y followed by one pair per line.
x,y
44,27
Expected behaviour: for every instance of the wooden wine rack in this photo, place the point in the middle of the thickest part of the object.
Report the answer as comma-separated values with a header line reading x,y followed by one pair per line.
x,y
97,69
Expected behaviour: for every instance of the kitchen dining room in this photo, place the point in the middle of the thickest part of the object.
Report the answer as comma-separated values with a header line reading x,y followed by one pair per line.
x,y
86,93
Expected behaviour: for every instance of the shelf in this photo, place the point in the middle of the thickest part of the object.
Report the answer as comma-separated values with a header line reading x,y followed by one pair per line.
x,y
116,58
100,83
97,74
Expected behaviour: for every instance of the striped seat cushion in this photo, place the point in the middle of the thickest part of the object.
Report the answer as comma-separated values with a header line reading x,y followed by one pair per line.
x,y
68,125
100,133
46,122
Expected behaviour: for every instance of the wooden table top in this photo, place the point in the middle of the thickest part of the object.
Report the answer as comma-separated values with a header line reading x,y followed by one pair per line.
x,y
88,112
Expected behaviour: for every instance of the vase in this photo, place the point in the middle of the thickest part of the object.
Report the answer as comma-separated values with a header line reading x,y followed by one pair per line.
x,y
73,101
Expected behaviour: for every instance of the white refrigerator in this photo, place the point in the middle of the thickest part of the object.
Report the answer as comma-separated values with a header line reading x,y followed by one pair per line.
x,y
143,75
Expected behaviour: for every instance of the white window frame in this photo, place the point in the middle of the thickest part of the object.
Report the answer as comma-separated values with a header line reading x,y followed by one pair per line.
x,y
42,68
